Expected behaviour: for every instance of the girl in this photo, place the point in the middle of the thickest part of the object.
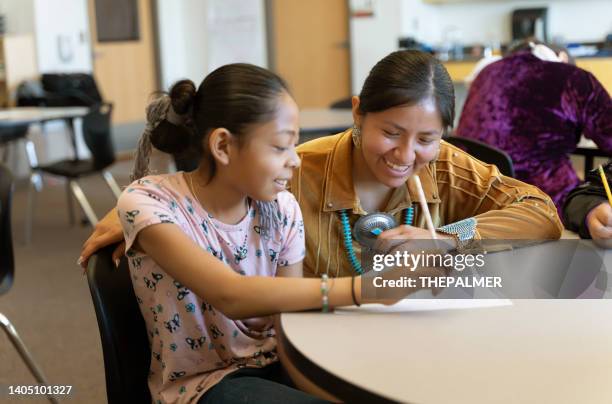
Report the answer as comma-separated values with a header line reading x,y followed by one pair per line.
x,y
204,246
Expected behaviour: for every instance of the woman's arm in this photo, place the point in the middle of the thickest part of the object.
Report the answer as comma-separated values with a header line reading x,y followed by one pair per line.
x,y
503,207
590,105
107,231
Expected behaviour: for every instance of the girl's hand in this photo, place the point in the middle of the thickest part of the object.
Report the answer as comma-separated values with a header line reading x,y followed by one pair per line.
x,y
369,293
599,222
108,231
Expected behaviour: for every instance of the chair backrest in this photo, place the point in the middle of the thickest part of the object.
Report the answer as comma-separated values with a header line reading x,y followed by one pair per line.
x,y
71,89
7,265
345,103
12,133
123,332
98,136
485,153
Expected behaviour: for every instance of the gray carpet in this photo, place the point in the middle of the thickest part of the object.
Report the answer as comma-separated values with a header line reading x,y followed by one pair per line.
x,y
49,303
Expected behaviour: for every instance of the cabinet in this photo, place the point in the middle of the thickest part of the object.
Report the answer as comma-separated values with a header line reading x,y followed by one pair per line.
x,y
17,63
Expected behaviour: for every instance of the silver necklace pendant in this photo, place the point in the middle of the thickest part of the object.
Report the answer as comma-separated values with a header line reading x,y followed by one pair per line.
x,y
368,227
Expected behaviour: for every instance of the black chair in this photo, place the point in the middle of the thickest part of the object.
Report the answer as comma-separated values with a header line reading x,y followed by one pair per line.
x,y
125,344
70,89
10,134
7,269
345,103
97,136
485,153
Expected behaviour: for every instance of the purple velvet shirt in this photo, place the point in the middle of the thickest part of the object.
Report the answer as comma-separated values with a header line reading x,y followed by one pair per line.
x,y
536,111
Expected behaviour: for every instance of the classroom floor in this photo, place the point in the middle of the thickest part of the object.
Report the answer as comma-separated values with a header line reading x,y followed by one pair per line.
x,y
49,303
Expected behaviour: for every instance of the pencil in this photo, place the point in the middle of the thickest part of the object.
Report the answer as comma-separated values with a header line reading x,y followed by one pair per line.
x,y
424,207
604,180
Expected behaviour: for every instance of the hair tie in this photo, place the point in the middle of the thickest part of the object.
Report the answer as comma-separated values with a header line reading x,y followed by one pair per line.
x,y
156,112
177,119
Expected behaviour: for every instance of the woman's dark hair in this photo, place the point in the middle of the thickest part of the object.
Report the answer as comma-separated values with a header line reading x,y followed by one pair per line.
x,y
522,45
233,97
408,77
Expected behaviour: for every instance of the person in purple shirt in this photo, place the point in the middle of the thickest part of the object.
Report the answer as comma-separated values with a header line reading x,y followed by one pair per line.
x,y
536,110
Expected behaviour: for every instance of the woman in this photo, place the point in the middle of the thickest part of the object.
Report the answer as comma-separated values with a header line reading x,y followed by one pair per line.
x,y
535,108
405,107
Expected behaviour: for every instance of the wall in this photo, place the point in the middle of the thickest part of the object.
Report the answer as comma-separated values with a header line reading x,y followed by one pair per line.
x,y
18,16
372,37
182,45
486,22
62,36
469,22
197,36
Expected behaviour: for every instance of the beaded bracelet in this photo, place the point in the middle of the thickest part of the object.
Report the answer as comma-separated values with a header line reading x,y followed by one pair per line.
x,y
324,293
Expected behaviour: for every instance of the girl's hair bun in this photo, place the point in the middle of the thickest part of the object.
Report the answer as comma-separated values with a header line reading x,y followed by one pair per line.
x,y
169,136
182,95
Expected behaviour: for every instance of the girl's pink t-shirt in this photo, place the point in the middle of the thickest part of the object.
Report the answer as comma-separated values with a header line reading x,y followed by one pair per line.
x,y
193,346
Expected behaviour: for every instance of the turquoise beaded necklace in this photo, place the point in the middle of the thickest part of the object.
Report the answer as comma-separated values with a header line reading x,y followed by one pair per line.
x,y
408,215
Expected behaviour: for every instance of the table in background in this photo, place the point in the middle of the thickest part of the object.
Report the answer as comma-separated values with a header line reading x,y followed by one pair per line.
x,y
12,117
317,122
534,351
589,150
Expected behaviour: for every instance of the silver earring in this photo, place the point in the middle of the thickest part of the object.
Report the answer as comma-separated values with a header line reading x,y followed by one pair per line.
x,y
356,135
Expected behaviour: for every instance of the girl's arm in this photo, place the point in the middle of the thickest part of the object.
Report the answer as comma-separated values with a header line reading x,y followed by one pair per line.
x,y
291,271
235,295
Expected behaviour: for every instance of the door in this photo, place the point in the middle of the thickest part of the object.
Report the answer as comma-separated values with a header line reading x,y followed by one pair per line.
x,y
309,48
126,71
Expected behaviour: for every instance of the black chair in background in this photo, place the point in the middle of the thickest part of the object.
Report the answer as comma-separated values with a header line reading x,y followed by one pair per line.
x,y
484,153
125,344
97,136
345,103
7,270
10,134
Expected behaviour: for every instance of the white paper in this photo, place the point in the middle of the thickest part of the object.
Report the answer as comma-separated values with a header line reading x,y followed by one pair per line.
x,y
410,305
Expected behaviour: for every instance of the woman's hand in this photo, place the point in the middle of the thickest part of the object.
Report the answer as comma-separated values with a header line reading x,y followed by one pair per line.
x,y
599,223
399,235
414,241
107,231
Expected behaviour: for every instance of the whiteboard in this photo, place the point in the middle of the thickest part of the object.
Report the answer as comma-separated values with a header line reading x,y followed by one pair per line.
x,y
236,32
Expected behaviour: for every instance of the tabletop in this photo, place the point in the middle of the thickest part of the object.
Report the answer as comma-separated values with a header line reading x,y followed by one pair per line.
x,y
531,351
26,115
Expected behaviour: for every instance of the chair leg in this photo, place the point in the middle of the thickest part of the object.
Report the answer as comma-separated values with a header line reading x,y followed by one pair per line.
x,y
110,180
5,152
35,184
20,347
34,187
70,204
80,197
33,162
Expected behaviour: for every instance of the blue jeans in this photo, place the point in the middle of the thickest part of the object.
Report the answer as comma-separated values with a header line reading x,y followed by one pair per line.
x,y
268,385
